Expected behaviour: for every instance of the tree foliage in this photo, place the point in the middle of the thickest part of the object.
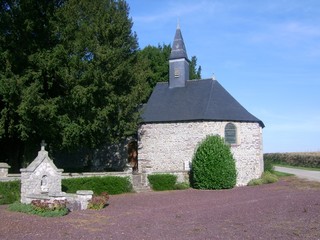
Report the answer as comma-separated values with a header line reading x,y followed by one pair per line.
x,y
195,72
69,73
26,96
157,58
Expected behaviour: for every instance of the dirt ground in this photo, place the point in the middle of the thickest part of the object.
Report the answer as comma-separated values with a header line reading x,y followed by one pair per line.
x,y
289,209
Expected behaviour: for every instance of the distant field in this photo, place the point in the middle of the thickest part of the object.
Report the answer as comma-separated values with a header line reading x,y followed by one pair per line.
x,y
299,153
301,159
305,153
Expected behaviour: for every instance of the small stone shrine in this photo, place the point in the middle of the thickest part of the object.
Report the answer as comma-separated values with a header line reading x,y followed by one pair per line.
x,y
41,177
41,180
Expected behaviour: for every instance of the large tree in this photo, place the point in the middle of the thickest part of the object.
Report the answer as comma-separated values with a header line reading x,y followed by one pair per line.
x,y
102,85
69,74
195,72
25,31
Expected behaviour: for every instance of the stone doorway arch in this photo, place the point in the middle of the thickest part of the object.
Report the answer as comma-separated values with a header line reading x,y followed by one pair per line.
x,y
133,155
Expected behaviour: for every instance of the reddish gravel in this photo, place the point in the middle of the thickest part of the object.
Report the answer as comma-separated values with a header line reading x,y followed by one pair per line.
x,y
289,209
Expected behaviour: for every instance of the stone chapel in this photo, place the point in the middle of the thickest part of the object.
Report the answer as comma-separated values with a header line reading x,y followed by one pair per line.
x,y
181,113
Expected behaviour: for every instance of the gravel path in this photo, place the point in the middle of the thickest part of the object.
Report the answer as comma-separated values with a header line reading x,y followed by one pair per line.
x,y
289,209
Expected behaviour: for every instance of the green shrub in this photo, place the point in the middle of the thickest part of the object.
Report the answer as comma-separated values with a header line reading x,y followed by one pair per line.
x,y
255,182
268,166
267,177
299,159
9,192
162,182
110,184
213,166
98,201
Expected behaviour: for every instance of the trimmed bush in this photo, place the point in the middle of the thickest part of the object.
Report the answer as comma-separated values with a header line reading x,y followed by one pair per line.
x,y
162,182
213,166
109,184
9,192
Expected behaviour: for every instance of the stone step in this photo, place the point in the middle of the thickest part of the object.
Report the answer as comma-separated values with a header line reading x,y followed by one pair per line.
x,y
139,183
141,190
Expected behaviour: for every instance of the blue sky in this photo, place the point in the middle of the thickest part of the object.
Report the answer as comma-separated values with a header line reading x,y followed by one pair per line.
x,y
265,53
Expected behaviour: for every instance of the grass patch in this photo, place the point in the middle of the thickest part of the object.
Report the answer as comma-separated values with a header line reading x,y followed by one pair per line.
x,y
109,184
9,192
267,177
40,209
282,174
181,186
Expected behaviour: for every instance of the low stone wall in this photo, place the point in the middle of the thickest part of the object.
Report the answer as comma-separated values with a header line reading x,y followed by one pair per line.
x,y
139,181
10,177
14,177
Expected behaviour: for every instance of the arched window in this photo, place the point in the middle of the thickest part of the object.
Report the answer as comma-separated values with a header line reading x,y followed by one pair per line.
x,y
230,133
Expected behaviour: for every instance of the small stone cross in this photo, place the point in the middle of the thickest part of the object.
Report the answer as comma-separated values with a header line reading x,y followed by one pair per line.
x,y
43,145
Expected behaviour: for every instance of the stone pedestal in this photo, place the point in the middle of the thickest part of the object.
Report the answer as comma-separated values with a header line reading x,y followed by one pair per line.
x,y
83,197
4,167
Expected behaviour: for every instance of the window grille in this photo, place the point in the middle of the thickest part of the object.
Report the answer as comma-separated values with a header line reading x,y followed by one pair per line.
x,y
230,134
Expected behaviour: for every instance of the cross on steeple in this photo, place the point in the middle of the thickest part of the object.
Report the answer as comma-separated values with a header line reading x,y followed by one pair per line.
x,y
43,145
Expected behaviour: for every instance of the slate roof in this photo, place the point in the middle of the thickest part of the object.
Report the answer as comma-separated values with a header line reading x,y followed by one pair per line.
x,y
178,50
41,158
199,100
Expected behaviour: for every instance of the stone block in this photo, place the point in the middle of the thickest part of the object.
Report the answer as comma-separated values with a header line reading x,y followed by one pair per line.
x,y
4,167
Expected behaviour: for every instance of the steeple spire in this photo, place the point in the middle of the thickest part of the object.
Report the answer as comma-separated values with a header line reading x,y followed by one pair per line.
x,y
178,47
178,61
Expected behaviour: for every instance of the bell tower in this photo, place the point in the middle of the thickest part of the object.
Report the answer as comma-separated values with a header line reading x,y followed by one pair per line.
x,y
178,62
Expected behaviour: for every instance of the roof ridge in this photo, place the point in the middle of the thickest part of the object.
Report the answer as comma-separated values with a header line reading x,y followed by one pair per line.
x,y
208,101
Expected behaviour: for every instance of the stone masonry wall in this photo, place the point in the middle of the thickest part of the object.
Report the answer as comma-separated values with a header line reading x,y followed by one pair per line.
x,y
165,147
